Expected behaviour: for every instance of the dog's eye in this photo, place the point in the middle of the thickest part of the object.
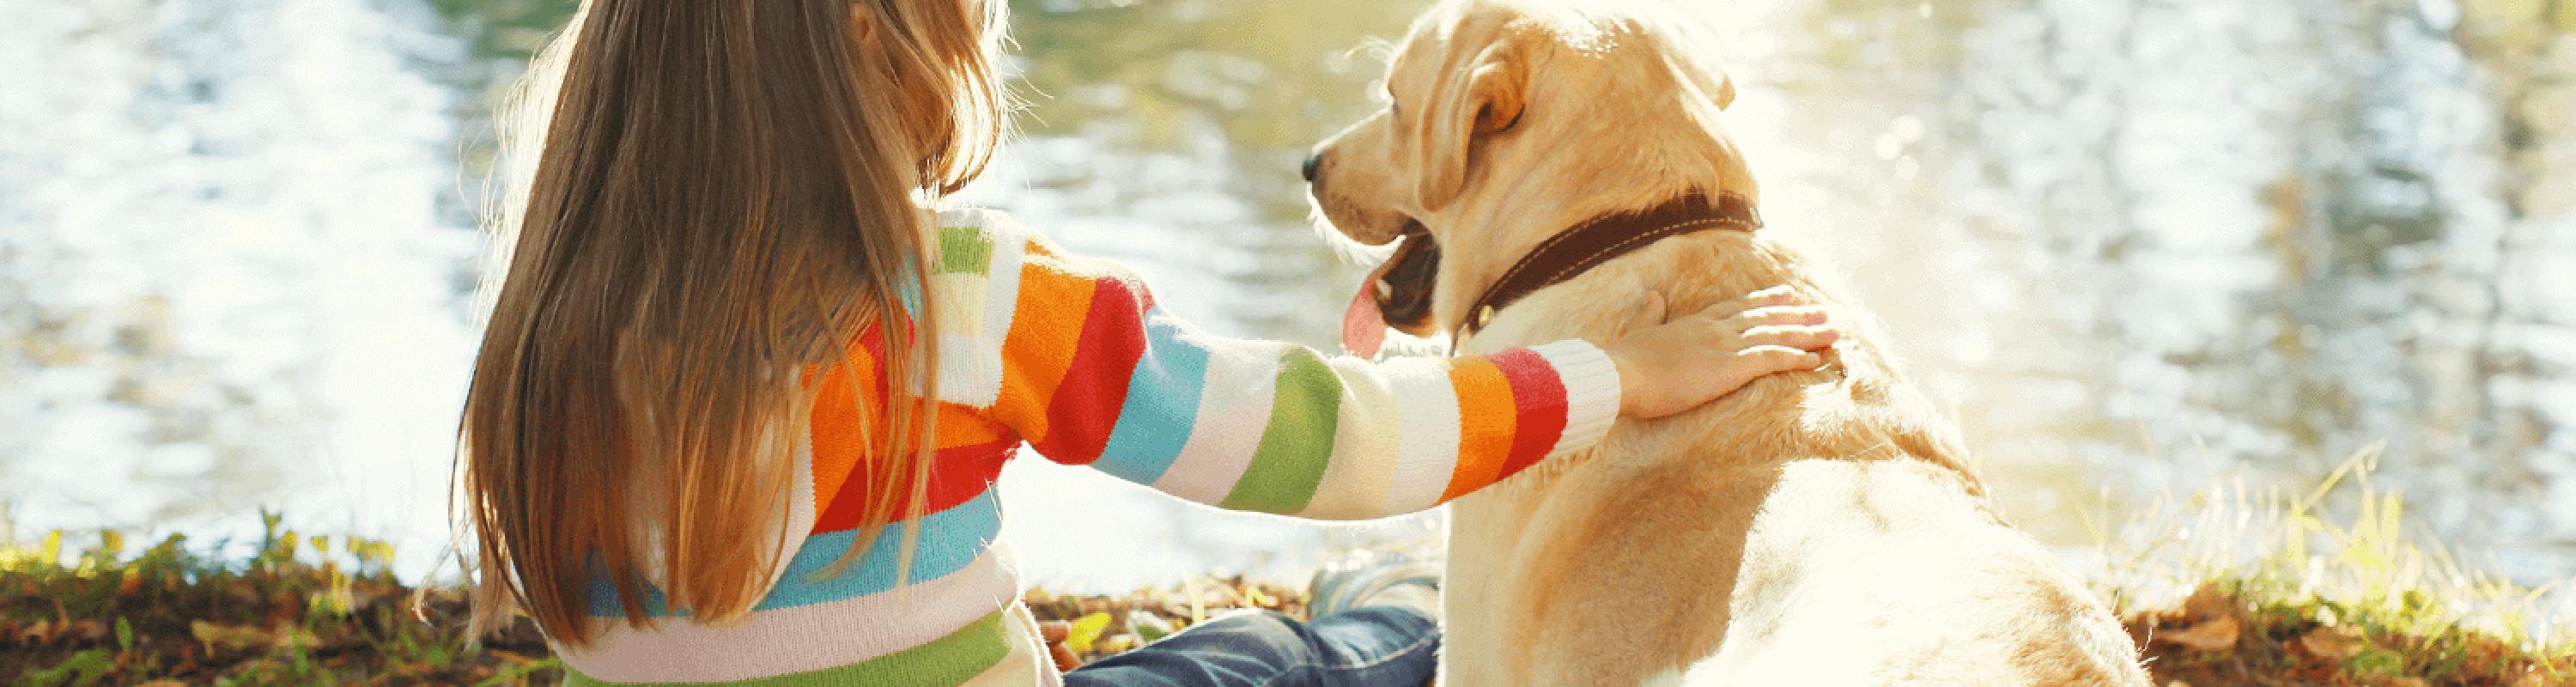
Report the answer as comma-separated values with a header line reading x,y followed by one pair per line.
x,y
1385,93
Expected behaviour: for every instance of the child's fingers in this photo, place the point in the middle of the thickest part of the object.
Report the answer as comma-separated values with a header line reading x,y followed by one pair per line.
x,y
1770,297
1777,359
1777,316
1797,337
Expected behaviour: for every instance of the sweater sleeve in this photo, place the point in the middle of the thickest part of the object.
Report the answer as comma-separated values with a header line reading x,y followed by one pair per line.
x,y
1091,372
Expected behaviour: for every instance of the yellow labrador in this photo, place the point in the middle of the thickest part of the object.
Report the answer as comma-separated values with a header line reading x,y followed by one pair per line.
x,y
1813,528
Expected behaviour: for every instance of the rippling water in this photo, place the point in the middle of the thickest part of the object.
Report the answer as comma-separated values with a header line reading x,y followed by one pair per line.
x,y
224,269
2129,244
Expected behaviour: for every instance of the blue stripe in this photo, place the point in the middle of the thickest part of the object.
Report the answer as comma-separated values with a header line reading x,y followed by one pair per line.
x,y
603,594
1162,403
950,539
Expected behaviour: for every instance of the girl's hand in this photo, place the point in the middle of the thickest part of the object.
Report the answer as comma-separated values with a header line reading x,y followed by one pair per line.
x,y
1676,365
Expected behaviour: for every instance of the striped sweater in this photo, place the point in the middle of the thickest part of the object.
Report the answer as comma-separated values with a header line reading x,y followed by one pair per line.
x,y
1072,358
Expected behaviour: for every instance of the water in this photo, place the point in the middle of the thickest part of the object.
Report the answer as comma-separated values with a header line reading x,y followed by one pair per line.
x,y
2129,245
226,273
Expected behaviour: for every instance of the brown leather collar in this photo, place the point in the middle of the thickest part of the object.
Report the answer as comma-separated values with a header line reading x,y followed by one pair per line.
x,y
1569,253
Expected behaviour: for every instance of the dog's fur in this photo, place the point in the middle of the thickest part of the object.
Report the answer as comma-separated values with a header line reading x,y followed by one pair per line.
x,y
1812,528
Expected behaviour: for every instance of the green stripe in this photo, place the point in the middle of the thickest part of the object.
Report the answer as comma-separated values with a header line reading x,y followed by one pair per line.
x,y
964,249
1298,442
949,660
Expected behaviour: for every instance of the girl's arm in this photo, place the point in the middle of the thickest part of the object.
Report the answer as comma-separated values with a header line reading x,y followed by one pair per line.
x,y
1075,356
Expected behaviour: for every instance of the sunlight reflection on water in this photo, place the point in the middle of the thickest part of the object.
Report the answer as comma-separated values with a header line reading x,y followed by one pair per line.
x,y
227,236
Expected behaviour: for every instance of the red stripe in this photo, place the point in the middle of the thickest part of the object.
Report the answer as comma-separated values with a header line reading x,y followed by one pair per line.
x,y
873,341
1539,405
1085,408
960,473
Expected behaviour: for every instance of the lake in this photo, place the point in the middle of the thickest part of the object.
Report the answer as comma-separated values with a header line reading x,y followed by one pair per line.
x,y
2131,246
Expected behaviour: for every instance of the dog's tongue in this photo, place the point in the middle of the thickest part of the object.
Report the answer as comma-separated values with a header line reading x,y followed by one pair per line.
x,y
1363,327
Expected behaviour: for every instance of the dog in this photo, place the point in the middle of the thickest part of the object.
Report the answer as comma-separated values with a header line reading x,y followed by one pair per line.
x,y
1812,528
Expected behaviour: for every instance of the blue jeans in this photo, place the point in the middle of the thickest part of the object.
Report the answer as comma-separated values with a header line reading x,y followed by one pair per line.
x,y
1369,646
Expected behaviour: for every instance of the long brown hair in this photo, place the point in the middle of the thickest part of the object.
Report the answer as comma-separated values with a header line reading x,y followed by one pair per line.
x,y
726,194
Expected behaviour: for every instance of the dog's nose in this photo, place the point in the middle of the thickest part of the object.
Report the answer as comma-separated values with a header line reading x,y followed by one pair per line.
x,y
1308,170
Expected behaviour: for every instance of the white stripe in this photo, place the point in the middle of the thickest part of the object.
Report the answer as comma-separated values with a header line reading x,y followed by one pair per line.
x,y
963,368
1235,401
961,303
1591,392
801,638
1427,433
800,507
1001,303
964,374
1364,434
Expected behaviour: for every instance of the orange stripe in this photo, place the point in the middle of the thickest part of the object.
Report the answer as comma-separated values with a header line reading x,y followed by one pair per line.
x,y
964,426
835,424
1040,346
1485,419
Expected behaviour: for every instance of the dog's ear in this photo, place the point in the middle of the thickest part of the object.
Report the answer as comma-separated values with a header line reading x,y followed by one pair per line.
x,y
1479,93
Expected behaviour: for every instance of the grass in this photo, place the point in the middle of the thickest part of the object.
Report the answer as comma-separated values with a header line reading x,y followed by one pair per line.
x,y
2232,587
2222,587
300,611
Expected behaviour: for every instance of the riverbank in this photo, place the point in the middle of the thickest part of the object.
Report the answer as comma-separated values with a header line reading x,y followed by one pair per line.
x,y
2217,588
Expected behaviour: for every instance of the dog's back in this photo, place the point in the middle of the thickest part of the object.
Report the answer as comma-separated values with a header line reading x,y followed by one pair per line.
x,y
1812,528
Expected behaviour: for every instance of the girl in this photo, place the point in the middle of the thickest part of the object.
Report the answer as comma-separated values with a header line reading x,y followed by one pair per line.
x,y
742,398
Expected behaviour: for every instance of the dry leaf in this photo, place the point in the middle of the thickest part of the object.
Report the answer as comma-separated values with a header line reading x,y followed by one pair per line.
x,y
2215,635
215,636
2207,603
40,633
292,636
2334,643
1064,658
1086,630
2407,682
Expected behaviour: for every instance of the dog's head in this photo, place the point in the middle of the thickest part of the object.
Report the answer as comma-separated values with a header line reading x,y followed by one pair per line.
x,y
1506,114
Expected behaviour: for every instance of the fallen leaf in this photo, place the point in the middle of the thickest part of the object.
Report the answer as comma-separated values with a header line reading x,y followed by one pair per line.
x,y
1064,658
2215,635
2334,643
2407,682
216,637
2208,602
91,630
1085,630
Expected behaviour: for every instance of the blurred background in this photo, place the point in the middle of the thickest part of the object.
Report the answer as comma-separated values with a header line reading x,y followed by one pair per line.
x,y
2135,246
